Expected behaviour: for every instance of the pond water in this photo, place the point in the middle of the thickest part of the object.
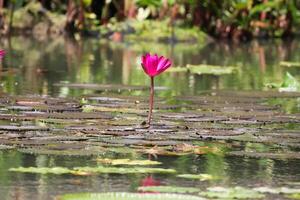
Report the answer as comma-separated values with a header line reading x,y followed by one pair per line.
x,y
72,103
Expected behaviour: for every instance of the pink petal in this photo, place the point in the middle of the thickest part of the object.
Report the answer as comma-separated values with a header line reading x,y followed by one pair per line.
x,y
162,63
165,67
154,65
145,69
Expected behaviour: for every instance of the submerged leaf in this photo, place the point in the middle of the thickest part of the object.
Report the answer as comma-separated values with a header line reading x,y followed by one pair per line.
x,y
232,193
127,196
168,189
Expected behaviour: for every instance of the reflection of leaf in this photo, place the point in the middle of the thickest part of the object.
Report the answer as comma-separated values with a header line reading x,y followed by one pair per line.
x,y
127,196
232,193
128,162
211,69
168,189
201,177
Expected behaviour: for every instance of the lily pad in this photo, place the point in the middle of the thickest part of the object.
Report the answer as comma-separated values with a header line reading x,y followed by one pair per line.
x,y
289,64
281,190
92,170
232,193
126,196
42,170
211,69
201,177
23,128
127,162
120,170
177,69
287,155
168,189
100,87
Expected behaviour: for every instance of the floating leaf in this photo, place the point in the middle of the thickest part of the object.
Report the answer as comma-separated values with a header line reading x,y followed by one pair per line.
x,y
120,170
127,196
210,69
23,128
177,69
42,170
127,162
92,170
201,177
168,189
289,64
100,87
281,190
232,193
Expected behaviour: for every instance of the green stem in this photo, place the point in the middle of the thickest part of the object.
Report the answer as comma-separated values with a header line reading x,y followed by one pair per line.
x,y
151,100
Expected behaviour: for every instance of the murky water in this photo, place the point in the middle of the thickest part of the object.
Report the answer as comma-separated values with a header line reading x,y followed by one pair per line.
x,y
48,67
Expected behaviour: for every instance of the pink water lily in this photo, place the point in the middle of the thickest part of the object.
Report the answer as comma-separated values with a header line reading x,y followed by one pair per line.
x,y
2,53
153,66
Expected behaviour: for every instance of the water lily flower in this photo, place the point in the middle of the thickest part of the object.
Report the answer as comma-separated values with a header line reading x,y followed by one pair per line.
x,y
153,66
2,53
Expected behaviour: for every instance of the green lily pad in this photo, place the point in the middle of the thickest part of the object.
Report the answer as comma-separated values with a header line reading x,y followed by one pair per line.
x,y
126,196
120,170
281,190
168,189
289,64
91,170
177,69
42,170
127,162
232,193
201,177
211,69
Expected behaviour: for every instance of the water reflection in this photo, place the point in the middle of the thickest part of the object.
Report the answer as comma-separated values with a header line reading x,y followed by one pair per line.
x,y
231,170
33,66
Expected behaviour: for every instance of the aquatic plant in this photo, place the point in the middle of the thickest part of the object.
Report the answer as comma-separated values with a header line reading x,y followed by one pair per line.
x,y
2,53
153,66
